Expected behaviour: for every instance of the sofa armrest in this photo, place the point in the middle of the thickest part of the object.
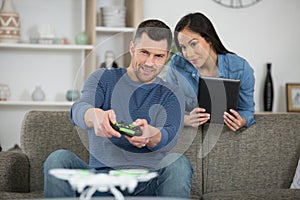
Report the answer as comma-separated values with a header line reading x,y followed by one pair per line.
x,y
14,172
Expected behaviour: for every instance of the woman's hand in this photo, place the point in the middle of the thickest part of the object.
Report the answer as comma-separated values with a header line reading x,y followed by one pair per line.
x,y
196,118
234,120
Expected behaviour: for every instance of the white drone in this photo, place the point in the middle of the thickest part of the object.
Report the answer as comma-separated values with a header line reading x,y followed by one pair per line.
x,y
87,182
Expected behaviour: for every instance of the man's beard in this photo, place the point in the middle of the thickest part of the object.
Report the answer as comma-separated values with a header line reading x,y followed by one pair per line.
x,y
138,69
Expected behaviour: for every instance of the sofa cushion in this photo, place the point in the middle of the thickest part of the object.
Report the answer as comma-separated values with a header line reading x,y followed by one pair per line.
x,y
189,144
14,172
263,156
266,194
16,195
44,132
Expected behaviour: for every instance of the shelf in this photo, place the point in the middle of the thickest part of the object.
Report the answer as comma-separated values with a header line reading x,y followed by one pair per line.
x,y
46,46
37,103
115,29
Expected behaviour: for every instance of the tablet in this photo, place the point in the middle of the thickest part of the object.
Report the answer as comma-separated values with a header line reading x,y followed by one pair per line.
x,y
218,95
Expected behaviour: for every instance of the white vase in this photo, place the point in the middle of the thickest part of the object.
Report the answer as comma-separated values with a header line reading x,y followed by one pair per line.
x,y
9,23
38,94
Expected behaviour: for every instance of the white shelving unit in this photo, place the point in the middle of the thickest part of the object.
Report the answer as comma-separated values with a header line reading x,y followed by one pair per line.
x,y
37,103
56,67
45,46
53,66
104,29
110,37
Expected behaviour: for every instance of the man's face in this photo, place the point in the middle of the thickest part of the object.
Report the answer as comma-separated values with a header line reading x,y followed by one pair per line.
x,y
148,58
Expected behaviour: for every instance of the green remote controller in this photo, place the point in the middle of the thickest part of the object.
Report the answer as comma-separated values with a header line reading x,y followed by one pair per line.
x,y
128,130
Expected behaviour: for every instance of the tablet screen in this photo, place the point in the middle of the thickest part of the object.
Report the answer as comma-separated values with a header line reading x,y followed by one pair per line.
x,y
218,95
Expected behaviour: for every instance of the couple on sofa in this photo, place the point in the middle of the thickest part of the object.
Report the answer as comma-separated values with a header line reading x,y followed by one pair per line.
x,y
136,95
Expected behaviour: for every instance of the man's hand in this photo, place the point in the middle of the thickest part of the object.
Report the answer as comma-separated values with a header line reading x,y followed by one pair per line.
x,y
196,117
100,120
151,136
234,120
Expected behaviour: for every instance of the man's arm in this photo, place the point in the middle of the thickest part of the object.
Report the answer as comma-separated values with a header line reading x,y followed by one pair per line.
x,y
86,116
99,120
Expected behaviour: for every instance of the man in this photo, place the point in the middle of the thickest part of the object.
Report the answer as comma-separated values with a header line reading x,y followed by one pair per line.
x,y
134,95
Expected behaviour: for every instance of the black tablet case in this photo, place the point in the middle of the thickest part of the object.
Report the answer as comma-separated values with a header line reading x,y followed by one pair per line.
x,y
218,95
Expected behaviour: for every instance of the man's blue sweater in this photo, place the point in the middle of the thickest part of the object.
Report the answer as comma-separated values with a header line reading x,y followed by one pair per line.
x,y
159,103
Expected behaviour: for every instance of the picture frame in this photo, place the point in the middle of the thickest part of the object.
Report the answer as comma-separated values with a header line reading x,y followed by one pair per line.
x,y
293,97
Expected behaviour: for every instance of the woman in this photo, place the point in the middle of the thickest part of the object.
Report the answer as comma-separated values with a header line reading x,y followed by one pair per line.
x,y
201,53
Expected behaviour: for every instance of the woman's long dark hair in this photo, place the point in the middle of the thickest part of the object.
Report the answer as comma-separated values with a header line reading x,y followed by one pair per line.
x,y
199,23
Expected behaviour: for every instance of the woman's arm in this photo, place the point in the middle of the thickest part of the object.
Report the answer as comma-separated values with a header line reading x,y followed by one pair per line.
x,y
244,116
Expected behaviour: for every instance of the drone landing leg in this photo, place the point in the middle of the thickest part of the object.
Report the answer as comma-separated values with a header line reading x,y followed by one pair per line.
x,y
88,193
117,194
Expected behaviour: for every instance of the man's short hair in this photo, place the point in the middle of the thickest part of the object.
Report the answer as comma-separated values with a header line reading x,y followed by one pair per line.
x,y
156,30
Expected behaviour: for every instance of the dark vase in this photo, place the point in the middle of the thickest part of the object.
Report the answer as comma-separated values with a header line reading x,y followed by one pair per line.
x,y
268,90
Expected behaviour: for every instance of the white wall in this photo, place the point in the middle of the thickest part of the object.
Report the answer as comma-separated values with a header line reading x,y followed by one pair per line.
x,y
266,32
